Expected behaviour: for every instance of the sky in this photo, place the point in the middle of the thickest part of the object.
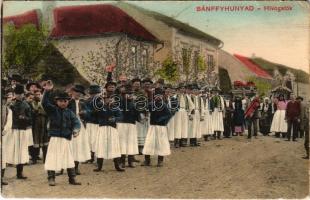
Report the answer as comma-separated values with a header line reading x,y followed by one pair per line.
x,y
281,37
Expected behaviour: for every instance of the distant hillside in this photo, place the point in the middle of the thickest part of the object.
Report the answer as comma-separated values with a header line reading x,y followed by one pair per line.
x,y
300,75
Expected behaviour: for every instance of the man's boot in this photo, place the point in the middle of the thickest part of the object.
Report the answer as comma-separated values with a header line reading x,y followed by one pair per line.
x,y
77,170
51,178
123,161
196,143
147,161
219,135
116,165
277,134
44,149
19,169
35,154
130,161
206,137
183,142
176,143
2,176
99,165
192,142
160,161
71,174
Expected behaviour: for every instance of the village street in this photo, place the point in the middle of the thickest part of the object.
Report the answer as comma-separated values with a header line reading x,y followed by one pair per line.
x,y
266,167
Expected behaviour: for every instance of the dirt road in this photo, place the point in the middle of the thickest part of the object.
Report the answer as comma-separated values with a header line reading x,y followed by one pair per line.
x,y
231,168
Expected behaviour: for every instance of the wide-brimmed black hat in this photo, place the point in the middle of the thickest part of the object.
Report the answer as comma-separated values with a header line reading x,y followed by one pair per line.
x,y
19,89
136,80
161,81
166,86
181,85
16,77
33,83
110,83
94,89
215,89
147,80
60,95
195,86
79,89
159,91
45,77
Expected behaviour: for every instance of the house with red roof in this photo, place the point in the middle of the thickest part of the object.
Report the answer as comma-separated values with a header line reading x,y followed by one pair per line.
x,y
92,37
30,17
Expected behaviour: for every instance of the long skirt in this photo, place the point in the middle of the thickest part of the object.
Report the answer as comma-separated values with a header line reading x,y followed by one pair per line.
x,y
217,120
156,142
278,122
194,126
128,138
206,126
181,124
107,143
17,142
80,146
3,152
171,129
29,137
142,131
92,131
59,154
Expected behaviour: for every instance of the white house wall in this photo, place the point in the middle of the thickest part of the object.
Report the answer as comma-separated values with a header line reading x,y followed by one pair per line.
x,y
91,55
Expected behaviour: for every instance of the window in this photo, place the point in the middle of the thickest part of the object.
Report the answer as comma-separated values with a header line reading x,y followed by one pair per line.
x,y
144,58
134,57
210,62
195,61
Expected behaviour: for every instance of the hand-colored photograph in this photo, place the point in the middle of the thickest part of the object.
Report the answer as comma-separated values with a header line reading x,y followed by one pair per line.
x,y
155,99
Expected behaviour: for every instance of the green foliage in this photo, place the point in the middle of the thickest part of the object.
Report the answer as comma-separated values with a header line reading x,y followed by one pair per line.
x,y
23,48
300,75
201,64
169,70
225,82
263,86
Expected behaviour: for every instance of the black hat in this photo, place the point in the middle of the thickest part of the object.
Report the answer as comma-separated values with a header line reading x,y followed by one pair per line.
x,y
136,80
19,89
79,88
168,86
94,89
147,80
33,83
159,91
189,86
44,77
110,83
62,95
181,85
195,86
299,98
16,77
215,89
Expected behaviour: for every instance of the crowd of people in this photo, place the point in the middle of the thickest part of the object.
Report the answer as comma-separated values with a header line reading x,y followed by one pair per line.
x,y
130,117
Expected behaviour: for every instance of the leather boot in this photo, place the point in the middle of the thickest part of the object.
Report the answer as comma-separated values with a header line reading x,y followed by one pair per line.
x,y
51,178
183,142
2,176
147,161
123,161
71,174
176,143
99,165
130,161
116,165
44,149
192,142
92,159
196,143
35,154
206,137
77,170
219,135
19,169
160,161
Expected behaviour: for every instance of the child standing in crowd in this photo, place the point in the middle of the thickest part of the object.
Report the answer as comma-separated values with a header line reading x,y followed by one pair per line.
x,y
238,117
18,138
156,142
63,125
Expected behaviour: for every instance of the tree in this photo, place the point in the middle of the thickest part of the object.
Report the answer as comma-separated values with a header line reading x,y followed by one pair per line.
x,y
169,70
24,47
225,82
263,87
